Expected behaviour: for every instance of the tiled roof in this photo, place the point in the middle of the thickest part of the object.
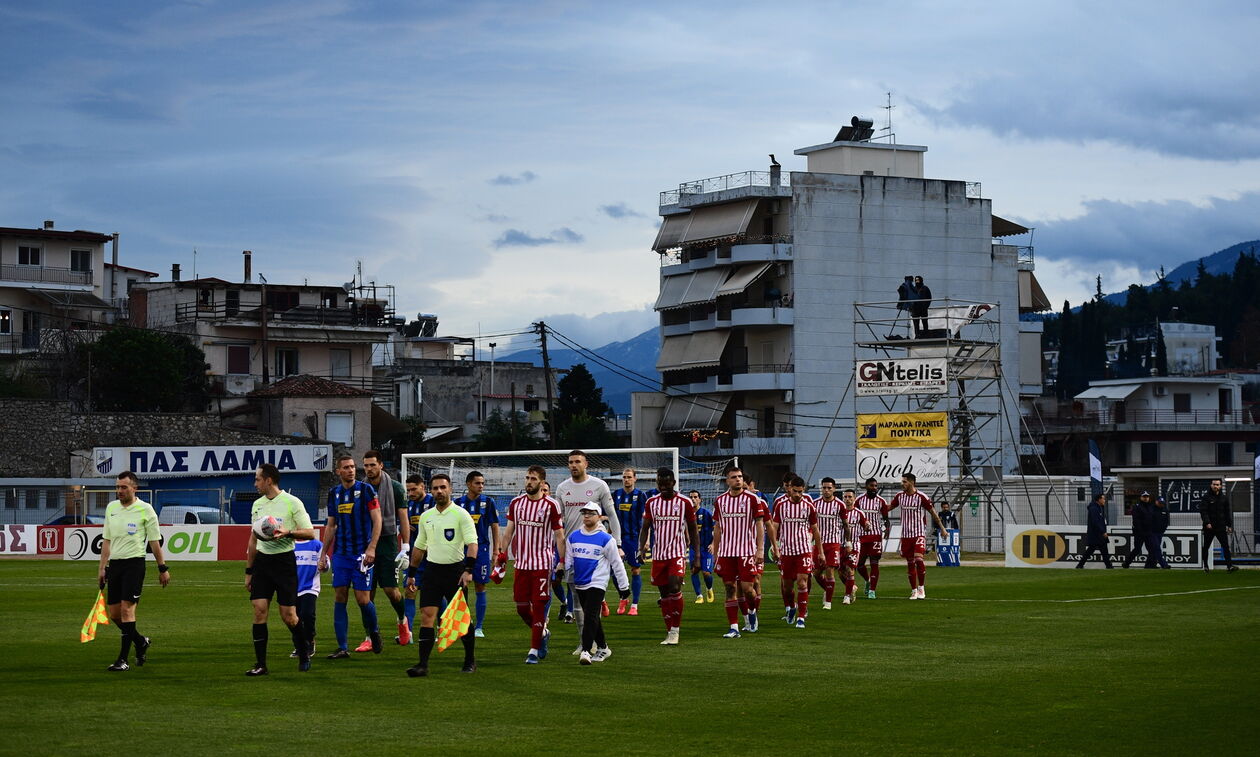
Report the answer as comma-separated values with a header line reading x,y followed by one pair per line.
x,y
303,385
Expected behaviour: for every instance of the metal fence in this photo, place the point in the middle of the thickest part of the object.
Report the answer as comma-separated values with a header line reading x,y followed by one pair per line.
x,y
728,181
45,274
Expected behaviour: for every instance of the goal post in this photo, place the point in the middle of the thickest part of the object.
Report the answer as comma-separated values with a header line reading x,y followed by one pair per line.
x,y
504,470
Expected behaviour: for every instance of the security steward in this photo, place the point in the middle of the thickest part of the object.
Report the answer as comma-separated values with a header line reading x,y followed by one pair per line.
x,y
446,546
1218,523
1141,514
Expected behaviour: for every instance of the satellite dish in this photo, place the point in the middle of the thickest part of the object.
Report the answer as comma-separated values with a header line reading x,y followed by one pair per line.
x,y
347,287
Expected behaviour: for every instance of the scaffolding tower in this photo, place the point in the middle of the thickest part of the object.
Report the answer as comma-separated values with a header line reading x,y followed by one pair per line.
x,y
964,337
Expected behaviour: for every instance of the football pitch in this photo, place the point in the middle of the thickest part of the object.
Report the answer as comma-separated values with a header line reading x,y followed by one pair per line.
x,y
996,661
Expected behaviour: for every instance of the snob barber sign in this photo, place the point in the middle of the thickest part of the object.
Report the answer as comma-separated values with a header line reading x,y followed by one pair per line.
x,y
901,376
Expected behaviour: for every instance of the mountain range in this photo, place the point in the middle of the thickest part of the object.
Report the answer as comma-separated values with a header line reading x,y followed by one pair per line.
x,y
638,354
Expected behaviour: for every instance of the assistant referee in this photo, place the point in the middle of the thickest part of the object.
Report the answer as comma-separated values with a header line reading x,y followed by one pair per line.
x,y
446,545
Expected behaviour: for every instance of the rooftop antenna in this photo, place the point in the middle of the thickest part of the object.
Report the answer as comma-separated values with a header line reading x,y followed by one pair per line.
x,y
888,127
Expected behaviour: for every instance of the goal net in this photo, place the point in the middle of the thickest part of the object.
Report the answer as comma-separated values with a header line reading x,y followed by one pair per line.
x,y
505,470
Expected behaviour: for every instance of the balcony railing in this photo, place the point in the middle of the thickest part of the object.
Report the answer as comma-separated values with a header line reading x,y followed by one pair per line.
x,y
303,314
45,275
721,183
1172,417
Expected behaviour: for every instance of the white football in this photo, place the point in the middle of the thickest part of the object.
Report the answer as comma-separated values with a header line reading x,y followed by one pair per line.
x,y
265,527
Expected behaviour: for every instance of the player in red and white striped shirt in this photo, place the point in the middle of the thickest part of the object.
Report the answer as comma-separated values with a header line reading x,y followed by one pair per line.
x,y
871,540
913,536
856,521
831,527
669,519
794,532
739,522
536,535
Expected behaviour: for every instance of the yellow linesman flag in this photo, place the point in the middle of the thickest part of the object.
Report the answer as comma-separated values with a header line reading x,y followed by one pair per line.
x,y
455,621
97,615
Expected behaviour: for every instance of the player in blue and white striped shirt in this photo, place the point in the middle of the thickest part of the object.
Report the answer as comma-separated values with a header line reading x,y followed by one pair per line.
x,y
590,557
306,554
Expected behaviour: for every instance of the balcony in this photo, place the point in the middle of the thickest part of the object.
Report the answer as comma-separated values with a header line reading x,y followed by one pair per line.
x,y
757,378
1125,419
752,442
303,315
45,275
762,252
732,185
775,315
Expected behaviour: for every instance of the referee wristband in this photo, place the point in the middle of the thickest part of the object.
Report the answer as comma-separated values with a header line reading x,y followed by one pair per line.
x,y
163,569
411,572
469,564
249,571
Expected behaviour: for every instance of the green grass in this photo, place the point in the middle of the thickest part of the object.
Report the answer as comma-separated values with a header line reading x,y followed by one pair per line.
x,y
1172,674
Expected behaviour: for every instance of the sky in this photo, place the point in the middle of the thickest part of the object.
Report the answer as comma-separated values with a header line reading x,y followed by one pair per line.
x,y
500,162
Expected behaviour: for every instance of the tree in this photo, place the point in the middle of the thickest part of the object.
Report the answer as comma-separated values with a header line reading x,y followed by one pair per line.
x,y
137,370
578,395
495,433
584,431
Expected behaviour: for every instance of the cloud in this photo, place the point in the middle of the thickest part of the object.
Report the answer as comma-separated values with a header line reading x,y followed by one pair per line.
x,y
620,210
593,331
518,238
503,180
1151,234
496,218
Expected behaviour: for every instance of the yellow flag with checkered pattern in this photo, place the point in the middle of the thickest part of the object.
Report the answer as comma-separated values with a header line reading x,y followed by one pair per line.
x,y
456,620
97,615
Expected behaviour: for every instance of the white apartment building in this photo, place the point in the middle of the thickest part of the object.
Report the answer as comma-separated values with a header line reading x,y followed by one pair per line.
x,y
759,275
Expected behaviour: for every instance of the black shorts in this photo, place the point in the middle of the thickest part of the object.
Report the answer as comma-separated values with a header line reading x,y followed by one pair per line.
x,y
440,582
124,580
275,574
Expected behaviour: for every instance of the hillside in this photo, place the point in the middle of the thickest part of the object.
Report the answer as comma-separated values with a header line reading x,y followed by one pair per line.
x,y
637,354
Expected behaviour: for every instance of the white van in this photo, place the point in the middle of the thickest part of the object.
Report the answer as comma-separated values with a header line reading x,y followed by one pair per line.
x,y
180,514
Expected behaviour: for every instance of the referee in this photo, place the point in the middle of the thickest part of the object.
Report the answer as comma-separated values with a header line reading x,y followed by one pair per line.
x,y
446,546
129,523
271,566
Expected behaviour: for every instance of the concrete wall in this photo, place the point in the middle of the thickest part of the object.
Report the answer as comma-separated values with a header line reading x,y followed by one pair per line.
x,y
854,239
39,435
295,416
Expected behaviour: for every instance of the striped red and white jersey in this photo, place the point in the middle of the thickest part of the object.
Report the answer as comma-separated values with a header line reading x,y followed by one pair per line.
x,y
736,515
872,506
668,519
794,520
912,507
829,524
533,532
857,524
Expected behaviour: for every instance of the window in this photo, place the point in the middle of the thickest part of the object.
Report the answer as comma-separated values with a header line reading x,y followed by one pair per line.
x,y
232,302
328,299
1224,453
286,362
238,359
1122,453
529,389
1150,453
339,427
531,405
6,321
1181,402
29,255
280,301
81,260
131,283
339,363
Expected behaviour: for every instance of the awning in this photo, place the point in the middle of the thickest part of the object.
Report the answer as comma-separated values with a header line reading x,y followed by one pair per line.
x,y
66,299
671,232
672,351
699,350
742,278
434,432
385,423
1032,298
673,288
717,221
1005,228
1112,392
699,412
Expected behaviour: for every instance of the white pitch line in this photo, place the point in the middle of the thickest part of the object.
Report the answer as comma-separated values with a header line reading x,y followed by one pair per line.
x,y
1100,599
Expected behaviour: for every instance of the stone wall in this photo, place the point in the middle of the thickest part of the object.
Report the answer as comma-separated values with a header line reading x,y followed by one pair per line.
x,y
38,436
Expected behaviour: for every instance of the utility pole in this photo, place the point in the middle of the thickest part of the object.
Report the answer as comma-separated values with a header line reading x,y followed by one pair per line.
x,y
512,389
541,327
262,319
